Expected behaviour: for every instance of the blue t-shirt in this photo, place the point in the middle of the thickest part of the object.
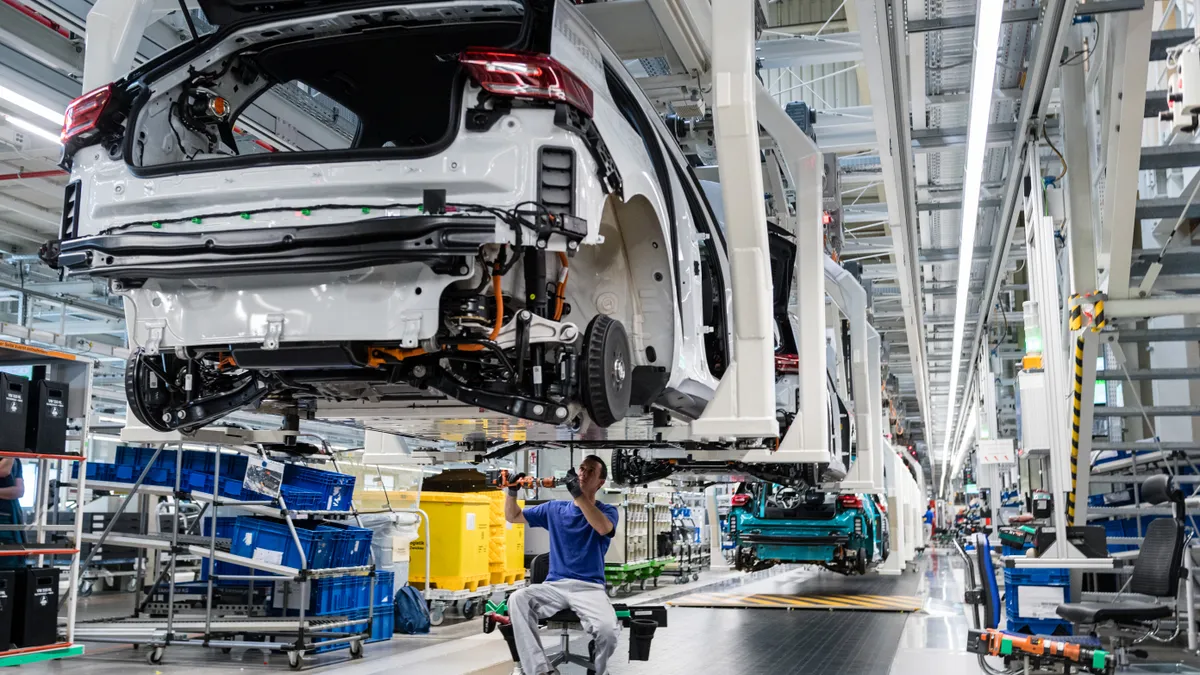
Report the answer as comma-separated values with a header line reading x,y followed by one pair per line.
x,y
929,517
576,548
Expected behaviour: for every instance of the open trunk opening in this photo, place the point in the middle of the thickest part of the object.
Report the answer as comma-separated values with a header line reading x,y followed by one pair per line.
x,y
390,91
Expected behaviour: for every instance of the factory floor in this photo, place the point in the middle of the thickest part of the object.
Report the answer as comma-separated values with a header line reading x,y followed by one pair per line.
x,y
857,637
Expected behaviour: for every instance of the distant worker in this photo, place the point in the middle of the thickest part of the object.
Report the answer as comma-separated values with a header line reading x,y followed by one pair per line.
x,y
580,532
929,518
12,489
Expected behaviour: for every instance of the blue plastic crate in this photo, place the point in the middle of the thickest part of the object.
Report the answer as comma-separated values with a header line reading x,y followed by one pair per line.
x,y
352,545
336,489
95,471
225,526
384,588
383,624
1055,576
234,466
301,499
1039,627
271,534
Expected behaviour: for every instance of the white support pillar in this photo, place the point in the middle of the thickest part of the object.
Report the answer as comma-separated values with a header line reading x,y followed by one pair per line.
x,y
808,437
894,565
1127,103
744,404
114,31
866,474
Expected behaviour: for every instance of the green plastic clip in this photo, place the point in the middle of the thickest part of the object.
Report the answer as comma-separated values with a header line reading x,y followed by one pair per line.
x,y
623,614
1099,659
157,226
196,220
245,216
1028,530
366,209
307,212
1006,647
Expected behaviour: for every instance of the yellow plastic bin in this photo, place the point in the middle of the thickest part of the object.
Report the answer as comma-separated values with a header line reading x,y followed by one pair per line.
x,y
514,553
498,545
460,526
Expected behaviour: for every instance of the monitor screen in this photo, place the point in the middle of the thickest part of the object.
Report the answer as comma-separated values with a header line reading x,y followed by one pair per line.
x,y
971,489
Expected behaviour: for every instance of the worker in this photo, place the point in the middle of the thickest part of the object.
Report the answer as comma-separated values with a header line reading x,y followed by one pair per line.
x,y
929,517
580,532
12,489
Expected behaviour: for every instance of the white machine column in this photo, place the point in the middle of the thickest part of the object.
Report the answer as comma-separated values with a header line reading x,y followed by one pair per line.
x,y
744,405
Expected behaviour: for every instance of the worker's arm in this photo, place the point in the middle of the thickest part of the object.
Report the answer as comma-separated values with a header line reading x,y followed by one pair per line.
x,y
6,466
512,510
595,517
17,491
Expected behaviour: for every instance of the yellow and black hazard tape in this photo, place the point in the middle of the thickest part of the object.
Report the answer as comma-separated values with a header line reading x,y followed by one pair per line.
x,y
1076,323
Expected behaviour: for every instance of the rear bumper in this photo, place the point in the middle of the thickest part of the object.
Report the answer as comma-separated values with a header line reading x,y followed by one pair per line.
x,y
274,250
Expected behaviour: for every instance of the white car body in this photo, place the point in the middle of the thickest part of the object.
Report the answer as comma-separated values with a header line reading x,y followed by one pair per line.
x,y
628,264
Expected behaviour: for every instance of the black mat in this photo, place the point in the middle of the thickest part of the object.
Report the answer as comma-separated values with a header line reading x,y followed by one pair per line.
x,y
778,643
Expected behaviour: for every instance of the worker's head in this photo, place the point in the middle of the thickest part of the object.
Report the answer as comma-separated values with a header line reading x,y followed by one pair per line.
x,y
593,472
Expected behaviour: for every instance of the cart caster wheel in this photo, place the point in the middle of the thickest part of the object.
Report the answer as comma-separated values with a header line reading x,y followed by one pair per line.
x,y
356,649
131,585
226,650
86,588
155,656
295,659
612,591
695,577
437,615
468,609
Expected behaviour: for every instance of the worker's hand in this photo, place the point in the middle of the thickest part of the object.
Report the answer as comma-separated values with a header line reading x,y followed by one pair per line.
x,y
515,490
572,484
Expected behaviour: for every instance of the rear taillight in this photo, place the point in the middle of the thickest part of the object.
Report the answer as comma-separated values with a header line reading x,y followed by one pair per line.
x,y
83,114
850,501
787,363
740,499
524,75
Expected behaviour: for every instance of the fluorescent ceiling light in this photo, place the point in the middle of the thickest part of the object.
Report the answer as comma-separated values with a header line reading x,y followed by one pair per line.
x,y
31,105
983,77
32,128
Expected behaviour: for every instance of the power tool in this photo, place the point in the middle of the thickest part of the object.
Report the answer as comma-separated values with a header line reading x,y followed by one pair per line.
x,y
1041,650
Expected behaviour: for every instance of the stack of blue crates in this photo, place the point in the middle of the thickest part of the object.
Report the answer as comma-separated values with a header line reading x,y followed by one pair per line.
x,y
349,596
1014,580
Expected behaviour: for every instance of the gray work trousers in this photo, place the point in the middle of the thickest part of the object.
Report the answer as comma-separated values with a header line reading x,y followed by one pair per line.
x,y
540,601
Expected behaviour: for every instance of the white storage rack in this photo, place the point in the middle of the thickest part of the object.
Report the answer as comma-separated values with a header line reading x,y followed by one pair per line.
x,y
224,631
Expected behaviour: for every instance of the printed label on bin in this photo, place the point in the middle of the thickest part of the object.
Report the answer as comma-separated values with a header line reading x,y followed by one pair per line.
x,y
1039,602
264,476
15,402
470,521
399,551
268,556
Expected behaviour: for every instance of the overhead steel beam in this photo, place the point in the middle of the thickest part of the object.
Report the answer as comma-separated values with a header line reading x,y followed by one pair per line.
x,y
809,50
1021,15
22,33
956,205
965,96
884,56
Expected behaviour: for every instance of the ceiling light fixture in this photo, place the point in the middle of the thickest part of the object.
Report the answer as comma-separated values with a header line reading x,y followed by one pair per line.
x,y
26,103
32,128
983,77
